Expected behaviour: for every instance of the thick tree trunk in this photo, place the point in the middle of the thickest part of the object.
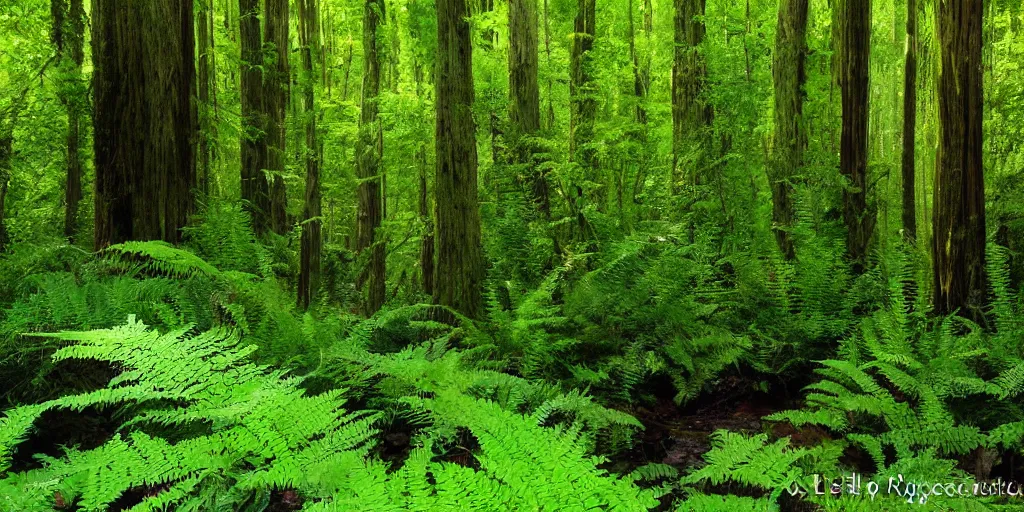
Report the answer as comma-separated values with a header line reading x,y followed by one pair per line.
x,y
276,81
145,119
583,109
789,138
369,153
255,189
460,264
854,48
690,116
525,93
311,243
958,222
909,124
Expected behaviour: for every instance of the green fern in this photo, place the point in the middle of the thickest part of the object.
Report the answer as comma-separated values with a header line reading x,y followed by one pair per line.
x,y
264,431
160,258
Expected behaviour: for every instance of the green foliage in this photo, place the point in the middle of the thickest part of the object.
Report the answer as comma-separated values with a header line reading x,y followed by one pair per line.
x,y
750,461
235,429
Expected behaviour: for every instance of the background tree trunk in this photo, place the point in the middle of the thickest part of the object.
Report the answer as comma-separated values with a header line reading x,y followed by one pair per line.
x,y
311,243
255,189
203,33
369,151
583,110
276,81
854,49
525,93
909,124
68,37
958,244
690,116
145,119
460,264
789,137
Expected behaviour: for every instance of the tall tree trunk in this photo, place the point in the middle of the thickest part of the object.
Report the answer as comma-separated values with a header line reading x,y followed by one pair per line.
x,y
204,36
690,116
277,77
255,189
67,36
854,49
958,222
909,124
550,113
369,151
789,138
311,243
641,66
145,119
460,264
348,70
214,107
583,111
525,93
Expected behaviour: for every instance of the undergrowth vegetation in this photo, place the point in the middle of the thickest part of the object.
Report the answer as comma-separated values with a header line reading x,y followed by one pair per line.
x,y
190,381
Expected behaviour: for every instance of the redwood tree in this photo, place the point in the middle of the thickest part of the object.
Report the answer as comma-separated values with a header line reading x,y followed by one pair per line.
x,y
789,137
275,89
854,48
68,36
369,152
583,108
690,116
958,221
311,244
255,189
909,124
145,128
460,264
524,92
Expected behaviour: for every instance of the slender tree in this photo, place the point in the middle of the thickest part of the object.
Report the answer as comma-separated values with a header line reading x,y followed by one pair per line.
x,y
311,243
690,115
460,264
369,153
641,63
145,127
255,189
854,48
583,109
204,38
909,124
276,78
958,221
524,92
789,137
67,35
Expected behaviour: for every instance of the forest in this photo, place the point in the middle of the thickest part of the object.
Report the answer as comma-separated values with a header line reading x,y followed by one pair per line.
x,y
511,255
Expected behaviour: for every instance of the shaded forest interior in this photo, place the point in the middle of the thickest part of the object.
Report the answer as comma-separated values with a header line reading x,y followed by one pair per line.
x,y
320,255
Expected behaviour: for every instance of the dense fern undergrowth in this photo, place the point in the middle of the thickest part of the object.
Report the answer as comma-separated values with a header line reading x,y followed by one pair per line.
x,y
153,377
